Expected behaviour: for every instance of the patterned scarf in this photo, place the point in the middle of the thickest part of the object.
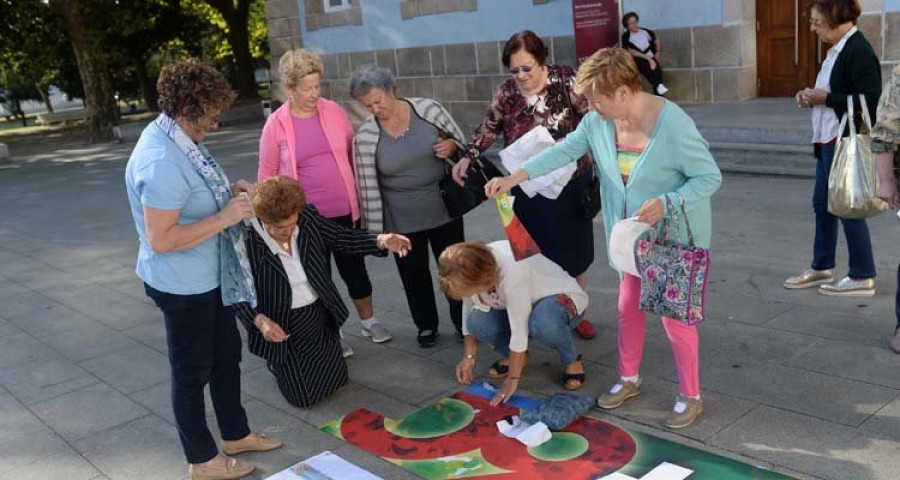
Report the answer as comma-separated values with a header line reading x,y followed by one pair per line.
x,y
236,276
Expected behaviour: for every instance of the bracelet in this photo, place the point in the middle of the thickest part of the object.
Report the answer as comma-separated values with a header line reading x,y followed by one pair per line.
x,y
469,357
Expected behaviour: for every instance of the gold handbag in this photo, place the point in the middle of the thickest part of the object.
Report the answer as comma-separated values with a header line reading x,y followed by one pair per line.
x,y
854,179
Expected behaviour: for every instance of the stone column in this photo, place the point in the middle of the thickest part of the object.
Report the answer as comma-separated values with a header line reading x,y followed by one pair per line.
x,y
283,19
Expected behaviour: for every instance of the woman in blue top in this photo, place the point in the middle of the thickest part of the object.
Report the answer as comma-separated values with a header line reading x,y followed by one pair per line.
x,y
645,148
192,262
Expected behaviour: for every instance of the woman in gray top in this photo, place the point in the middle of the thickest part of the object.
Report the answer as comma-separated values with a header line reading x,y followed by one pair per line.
x,y
399,154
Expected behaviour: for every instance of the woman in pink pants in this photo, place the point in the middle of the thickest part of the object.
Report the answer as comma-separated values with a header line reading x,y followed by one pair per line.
x,y
645,148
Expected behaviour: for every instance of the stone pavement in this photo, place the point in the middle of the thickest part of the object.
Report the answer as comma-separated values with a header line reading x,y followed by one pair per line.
x,y
791,379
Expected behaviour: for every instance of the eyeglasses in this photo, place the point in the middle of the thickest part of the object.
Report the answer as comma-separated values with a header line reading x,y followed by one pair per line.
x,y
815,22
523,69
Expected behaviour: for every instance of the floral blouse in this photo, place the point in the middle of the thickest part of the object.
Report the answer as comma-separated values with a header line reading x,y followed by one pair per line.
x,y
511,114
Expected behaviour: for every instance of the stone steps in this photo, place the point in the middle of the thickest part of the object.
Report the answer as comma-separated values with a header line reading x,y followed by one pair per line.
x,y
764,158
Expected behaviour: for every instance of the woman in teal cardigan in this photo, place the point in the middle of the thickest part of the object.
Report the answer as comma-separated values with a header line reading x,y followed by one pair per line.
x,y
645,148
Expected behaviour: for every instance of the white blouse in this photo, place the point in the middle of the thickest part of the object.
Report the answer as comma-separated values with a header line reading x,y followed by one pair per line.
x,y
824,120
302,293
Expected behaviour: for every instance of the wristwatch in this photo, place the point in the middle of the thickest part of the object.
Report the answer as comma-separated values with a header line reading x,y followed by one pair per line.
x,y
469,357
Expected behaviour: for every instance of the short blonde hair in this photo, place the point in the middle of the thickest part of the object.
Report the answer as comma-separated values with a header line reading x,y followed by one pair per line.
x,y
296,64
465,266
607,70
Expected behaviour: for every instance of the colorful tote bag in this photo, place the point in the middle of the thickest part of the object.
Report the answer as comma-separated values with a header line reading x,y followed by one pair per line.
x,y
523,246
673,275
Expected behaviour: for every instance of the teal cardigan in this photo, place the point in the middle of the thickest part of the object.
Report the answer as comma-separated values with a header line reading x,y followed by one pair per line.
x,y
676,159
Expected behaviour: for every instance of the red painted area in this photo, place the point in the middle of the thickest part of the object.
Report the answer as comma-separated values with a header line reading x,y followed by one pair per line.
x,y
609,447
520,240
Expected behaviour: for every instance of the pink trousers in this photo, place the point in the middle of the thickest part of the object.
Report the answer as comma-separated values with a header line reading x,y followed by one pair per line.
x,y
632,327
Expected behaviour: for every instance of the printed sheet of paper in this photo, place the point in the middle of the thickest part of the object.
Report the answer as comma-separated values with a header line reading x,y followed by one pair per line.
x,y
324,466
520,241
532,143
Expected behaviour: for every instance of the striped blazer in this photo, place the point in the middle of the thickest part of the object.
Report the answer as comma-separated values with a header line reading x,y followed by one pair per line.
x,y
318,237
365,145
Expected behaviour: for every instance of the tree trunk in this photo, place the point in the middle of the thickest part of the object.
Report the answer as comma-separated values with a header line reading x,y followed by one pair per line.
x,y
44,96
238,19
148,89
98,90
17,111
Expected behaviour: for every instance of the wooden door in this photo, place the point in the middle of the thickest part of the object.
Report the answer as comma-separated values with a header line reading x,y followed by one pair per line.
x,y
786,48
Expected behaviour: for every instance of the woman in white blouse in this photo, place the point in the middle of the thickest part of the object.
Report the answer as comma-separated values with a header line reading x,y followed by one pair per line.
x,y
511,301
295,324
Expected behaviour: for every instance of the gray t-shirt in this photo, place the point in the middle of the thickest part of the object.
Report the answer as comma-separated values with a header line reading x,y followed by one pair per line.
x,y
409,174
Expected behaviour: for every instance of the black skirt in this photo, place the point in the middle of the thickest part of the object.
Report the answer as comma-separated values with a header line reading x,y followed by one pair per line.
x,y
315,366
559,226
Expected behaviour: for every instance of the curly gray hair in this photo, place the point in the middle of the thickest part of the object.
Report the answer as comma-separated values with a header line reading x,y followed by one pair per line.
x,y
367,77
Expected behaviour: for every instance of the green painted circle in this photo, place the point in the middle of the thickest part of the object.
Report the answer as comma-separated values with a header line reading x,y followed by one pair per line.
x,y
561,447
437,420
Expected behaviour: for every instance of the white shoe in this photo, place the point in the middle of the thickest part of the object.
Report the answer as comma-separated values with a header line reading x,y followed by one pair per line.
x,y
348,350
661,89
377,333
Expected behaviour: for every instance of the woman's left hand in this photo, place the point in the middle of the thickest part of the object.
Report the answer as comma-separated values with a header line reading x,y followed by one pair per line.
x,y
241,186
651,212
815,96
445,148
506,391
395,243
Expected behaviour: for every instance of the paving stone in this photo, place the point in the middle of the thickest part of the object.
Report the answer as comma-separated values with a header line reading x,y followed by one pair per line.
x,y
87,411
24,303
16,422
44,379
41,456
152,334
389,373
870,364
813,446
741,341
146,448
10,289
21,349
131,369
885,422
838,400
113,309
158,399
51,320
836,324
7,329
89,341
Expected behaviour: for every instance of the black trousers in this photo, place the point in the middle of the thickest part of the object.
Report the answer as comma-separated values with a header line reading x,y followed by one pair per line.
x,y
655,77
416,274
352,267
204,348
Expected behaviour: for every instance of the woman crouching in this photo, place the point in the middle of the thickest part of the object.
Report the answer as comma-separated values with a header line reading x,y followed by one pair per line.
x,y
511,301
295,325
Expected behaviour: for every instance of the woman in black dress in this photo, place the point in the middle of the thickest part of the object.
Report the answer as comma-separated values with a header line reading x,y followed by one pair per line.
x,y
295,325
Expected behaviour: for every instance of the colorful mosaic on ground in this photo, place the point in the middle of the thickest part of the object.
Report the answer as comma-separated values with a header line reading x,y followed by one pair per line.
x,y
457,438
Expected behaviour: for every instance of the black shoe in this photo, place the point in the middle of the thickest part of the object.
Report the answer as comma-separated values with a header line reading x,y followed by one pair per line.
x,y
428,338
460,338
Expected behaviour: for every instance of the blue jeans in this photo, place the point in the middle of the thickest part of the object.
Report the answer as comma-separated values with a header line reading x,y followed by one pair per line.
x,y
856,231
550,324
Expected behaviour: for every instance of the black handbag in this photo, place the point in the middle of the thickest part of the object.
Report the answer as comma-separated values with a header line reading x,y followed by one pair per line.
x,y
590,196
459,199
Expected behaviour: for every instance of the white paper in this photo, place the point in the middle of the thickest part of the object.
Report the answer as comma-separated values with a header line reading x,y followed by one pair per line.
x,y
530,435
622,242
324,466
665,471
532,143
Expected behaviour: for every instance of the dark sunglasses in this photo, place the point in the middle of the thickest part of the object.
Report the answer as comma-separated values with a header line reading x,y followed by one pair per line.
x,y
523,68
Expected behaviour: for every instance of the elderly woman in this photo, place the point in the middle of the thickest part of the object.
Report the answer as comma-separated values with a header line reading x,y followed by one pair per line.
x,y
189,258
646,148
512,300
536,94
399,153
886,146
850,68
645,47
310,139
299,313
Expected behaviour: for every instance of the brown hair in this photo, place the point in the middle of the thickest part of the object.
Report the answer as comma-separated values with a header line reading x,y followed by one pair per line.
x,y
193,90
277,198
296,64
528,41
607,70
466,265
837,12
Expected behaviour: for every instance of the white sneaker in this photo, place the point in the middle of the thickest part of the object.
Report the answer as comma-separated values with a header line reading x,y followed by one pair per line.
x,y
377,333
348,350
661,89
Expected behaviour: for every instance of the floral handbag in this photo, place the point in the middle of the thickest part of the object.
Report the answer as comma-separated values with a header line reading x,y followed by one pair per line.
x,y
673,276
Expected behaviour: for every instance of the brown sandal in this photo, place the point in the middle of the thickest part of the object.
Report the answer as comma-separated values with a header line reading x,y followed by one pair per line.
x,y
574,377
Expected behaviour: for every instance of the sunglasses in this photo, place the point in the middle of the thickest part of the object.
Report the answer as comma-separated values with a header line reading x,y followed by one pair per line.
x,y
523,69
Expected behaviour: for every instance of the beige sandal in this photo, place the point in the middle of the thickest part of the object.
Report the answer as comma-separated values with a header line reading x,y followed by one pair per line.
x,y
232,470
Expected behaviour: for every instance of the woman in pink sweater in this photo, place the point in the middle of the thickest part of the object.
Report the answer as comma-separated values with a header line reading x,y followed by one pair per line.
x,y
310,139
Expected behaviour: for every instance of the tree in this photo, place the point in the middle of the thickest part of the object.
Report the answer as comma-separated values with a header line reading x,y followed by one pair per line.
x,y
236,14
90,53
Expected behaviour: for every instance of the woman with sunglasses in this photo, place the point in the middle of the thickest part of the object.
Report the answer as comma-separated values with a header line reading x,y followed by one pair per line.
x,y
537,94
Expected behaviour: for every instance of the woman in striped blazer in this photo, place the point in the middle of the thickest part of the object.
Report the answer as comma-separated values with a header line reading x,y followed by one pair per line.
x,y
295,324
